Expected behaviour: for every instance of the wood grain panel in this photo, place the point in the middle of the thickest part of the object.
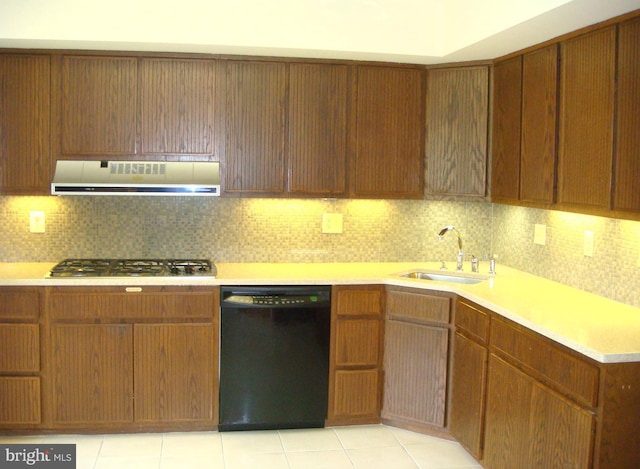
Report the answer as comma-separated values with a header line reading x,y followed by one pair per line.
x,y
157,303
318,129
457,116
99,105
174,372
92,373
472,320
507,112
356,394
417,305
358,342
24,124
627,165
415,364
177,106
564,372
539,118
19,348
358,301
587,87
468,391
256,121
20,304
390,133
19,401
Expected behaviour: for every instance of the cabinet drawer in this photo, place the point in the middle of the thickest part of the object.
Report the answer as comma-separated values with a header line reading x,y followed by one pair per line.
x,y
131,303
19,348
22,304
19,400
472,320
356,393
358,342
411,304
358,301
549,363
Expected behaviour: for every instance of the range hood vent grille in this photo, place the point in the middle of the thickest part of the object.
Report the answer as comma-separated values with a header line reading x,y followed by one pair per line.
x,y
136,178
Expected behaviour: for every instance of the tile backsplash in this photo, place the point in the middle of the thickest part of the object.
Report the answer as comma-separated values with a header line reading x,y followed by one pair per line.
x,y
290,230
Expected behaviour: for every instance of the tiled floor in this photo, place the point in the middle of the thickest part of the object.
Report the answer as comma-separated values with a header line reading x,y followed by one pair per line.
x,y
369,446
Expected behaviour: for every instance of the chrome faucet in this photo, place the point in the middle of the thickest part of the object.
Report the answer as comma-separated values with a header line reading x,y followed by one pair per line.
x,y
460,252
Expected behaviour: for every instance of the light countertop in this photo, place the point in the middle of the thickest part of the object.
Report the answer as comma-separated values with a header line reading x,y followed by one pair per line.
x,y
602,329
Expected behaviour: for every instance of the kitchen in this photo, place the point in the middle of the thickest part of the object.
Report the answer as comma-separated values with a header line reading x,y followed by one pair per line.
x,y
236,230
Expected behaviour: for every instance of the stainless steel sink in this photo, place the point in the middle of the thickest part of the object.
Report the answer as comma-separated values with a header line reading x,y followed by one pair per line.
x,y
437,276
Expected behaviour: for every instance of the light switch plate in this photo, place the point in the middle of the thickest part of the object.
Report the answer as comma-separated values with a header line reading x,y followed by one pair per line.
x,y
540,234
36,222
332,223
588,244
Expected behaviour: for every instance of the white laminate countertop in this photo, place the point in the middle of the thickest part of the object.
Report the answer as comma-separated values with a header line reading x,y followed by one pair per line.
x,y
602,329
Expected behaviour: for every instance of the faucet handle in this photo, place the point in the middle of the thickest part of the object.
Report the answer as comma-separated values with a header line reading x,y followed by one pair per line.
x,y
474,263
443,266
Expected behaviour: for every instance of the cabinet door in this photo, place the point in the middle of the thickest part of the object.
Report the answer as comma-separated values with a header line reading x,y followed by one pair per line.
x,y
587,92
507,111
24,124
530,426
539,110
415,371
92,373
468,387
255,127
177,107
98,106
20,402
319,123
389,158
457,114
174,372
626,195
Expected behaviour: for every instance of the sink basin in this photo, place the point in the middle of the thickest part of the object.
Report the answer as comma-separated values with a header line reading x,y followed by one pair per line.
x,y
439,276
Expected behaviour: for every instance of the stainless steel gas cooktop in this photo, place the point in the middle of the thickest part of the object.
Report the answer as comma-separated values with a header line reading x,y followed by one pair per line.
x,y
75,268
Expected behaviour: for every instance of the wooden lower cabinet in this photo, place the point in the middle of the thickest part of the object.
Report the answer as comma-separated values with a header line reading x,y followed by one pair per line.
x,y
355,371
416,359
530,426
20,364
133,369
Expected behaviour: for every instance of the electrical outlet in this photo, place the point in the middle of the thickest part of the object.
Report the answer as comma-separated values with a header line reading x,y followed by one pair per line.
x,y
36,222
540,234
587,248
332,223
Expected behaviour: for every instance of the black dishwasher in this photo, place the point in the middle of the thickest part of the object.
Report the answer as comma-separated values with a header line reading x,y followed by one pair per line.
x,y
274,357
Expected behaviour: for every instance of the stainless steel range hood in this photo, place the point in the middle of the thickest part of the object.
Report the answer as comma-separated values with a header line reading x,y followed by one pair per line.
x,y
135,178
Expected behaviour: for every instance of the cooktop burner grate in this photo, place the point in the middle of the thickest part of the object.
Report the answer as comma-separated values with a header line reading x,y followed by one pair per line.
x,y
132,268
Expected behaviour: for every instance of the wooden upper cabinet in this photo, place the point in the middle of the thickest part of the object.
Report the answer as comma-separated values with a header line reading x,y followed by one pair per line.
x,y
507,114
457,115
177,107
255,110
98,106
389,157
627,173
24,124
319,129
539,118
587,90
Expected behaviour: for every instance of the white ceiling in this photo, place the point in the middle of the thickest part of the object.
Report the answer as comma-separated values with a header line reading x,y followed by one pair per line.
x,y
410,31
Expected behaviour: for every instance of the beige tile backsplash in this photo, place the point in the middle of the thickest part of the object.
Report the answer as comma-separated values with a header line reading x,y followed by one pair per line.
x,y
290,230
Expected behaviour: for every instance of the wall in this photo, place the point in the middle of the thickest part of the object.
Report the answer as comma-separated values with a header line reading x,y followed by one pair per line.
x,y
280,230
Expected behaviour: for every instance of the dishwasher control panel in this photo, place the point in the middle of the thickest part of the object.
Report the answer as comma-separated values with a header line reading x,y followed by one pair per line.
x,y
271,300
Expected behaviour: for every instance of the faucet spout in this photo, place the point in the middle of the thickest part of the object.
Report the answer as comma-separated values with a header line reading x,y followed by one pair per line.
x,y
460,257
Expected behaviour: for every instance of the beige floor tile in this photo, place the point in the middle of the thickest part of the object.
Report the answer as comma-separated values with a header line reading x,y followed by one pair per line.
x,y
251,441
315,439
441,454
132,445
212,461
255,460
87,447
381,458
122,462
368,436
333,459
191,444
